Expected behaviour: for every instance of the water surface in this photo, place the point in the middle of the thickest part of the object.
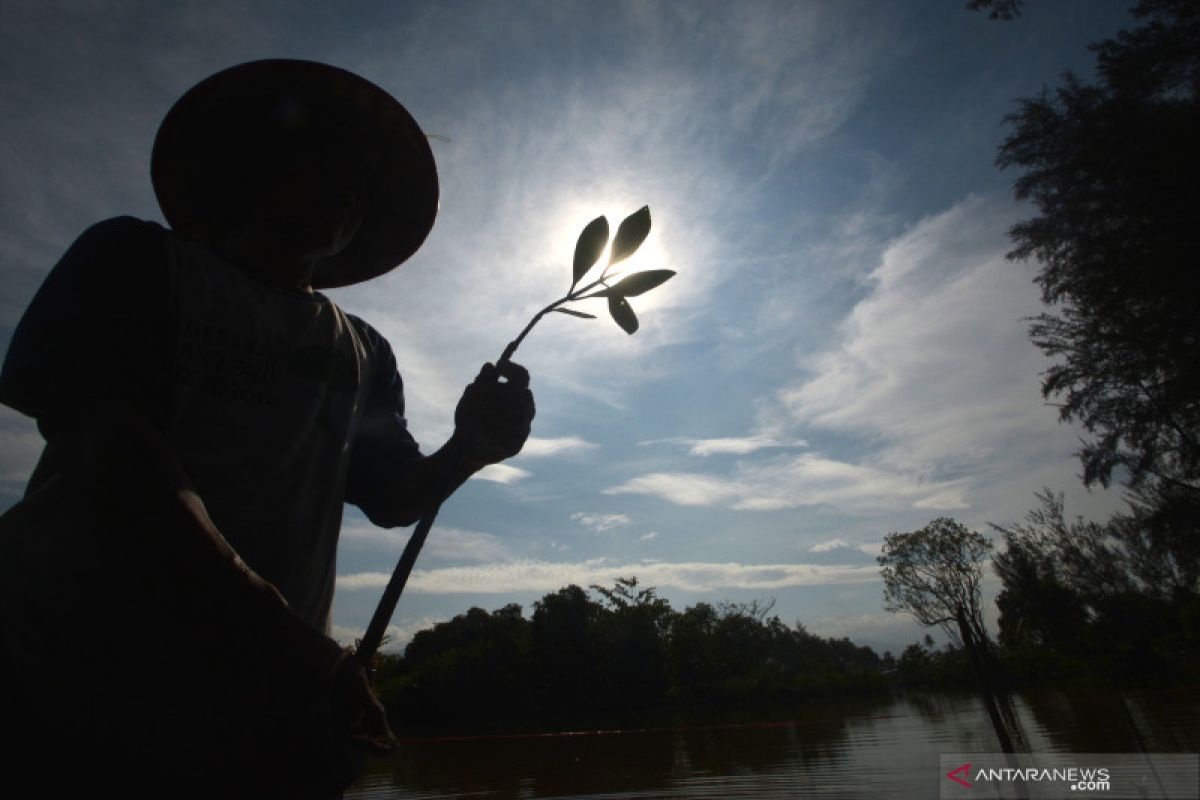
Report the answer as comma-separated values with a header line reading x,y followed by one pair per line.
x,y
881,747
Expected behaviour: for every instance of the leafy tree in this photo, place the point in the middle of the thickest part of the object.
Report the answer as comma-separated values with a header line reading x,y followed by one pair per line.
x,y
474,665
1161,524
565,645
923,664
914,660
935,574
1036,609
1114,171
1091,562
692,658
633,635
1107,599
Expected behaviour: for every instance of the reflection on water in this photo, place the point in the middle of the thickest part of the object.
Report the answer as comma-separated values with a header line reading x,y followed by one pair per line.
x,y
886,747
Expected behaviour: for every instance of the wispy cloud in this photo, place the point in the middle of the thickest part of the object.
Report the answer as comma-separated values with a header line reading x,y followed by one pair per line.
x,y
450,544
600,522
543,576
732,88
800,70
742,445
930,375
453,544
501,473
830,545
934,368
685,488
538,447
805,480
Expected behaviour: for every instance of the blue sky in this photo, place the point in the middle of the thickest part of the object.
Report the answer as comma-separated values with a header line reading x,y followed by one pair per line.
x,y
841,355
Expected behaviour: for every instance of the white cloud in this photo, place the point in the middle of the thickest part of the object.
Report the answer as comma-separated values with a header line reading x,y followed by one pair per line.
x,y
501,473
543,576
943,501
742,445
869,548
934,368
648,537
537,447
391,537
832,544
600,522
942,324
930,375
454,544
451,544
683,488
793,482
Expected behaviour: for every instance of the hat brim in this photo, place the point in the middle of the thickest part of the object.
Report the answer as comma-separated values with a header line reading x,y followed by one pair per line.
x,y
194,171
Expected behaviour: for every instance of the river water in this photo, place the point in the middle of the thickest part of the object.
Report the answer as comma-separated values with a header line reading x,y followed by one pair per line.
x,y
879,747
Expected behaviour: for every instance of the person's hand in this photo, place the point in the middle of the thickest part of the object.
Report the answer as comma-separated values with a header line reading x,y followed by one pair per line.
x,y
335,732
494,417
357,710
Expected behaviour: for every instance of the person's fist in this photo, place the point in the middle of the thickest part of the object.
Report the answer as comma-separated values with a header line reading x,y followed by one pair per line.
x,y
357,710
494,416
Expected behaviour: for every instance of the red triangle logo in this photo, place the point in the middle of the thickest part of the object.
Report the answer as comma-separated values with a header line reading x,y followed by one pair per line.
x,y
965,769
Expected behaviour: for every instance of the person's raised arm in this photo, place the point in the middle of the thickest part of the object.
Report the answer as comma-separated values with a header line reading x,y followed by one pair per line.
x,y
491,423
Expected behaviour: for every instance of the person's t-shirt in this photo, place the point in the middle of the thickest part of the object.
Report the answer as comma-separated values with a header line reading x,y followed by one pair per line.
x,y
279,405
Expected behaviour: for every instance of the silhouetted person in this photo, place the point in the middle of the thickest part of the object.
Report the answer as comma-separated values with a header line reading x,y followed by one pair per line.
x,y
165,584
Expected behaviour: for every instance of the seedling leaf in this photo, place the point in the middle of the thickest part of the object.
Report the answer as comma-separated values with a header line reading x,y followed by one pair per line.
x,y
575,313
589,247
637,283
630,234
622,314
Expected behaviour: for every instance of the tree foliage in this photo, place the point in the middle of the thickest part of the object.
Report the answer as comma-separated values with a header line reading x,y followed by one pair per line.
x,y
1095,561
1109,599
935,574
627,650
1114,172
924,665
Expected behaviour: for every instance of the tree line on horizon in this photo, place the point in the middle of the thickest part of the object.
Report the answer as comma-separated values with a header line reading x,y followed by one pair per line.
x,y
624,649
